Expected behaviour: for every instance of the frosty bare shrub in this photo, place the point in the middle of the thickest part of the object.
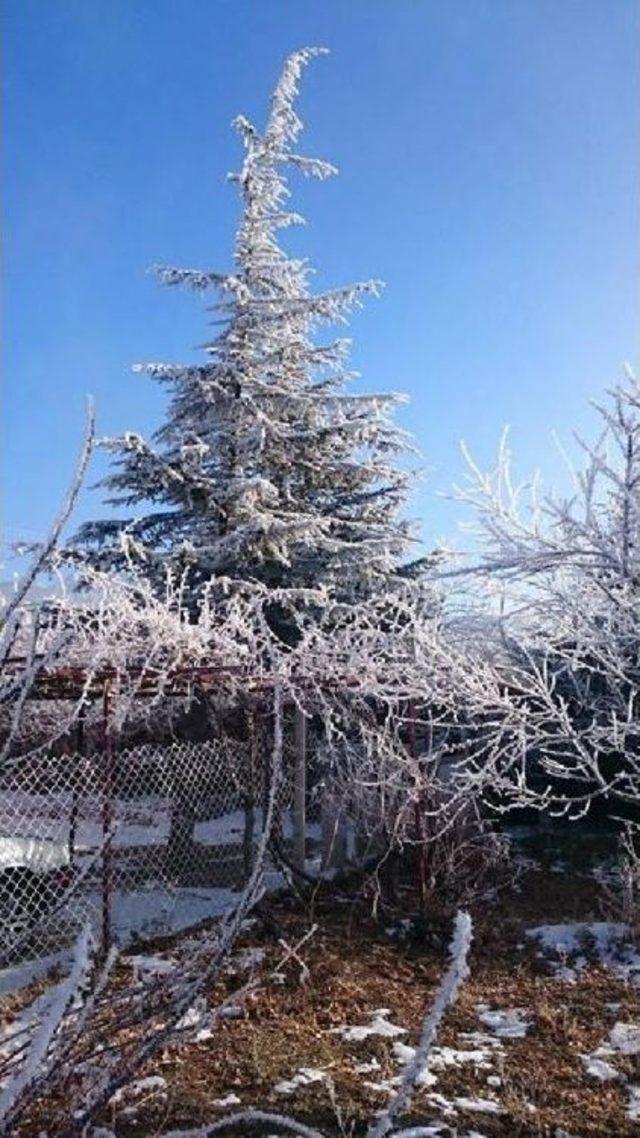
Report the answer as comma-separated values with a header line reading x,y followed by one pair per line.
x,y
564,575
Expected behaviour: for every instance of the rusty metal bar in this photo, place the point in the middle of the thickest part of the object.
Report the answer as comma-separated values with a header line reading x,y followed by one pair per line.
x,y
107,826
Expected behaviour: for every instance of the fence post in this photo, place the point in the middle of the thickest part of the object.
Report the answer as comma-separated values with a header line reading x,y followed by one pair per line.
x,y
107,824
75,761
334,845
299,788
250,797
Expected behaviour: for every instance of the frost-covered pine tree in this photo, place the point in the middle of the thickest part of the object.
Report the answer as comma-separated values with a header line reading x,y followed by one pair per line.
x,y
266,468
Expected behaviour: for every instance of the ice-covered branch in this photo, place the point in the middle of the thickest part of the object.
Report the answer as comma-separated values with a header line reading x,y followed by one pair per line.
x,y
455,976
35,1066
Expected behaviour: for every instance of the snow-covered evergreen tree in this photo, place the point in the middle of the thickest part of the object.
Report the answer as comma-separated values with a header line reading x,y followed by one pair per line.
x,y
266,468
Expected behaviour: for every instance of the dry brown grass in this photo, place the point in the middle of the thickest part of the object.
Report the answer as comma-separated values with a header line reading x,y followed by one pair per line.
x,y
354,969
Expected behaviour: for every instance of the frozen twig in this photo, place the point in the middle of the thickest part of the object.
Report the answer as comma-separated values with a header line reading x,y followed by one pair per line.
x,y
455,975
35,1068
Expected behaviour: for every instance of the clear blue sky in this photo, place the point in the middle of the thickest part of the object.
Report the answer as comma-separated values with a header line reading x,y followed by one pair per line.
x,y
489,172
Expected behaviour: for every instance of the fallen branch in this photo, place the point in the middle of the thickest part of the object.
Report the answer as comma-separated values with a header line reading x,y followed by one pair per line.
x,y
456,973
35,1067
247,1118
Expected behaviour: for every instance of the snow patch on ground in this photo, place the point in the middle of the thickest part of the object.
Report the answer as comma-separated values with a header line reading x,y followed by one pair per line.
x,y
194,1016
13,1034
21,975
481,1105
366,1068
406,1055
155,911
231,1011
139,1087
302,1078
625,1038
633,1103
150,966
432,1130
464,1103
608,940
477,1049
599,1068
378,1025
480,1038
510,1023
385,1086
39,818
442,1057
403,1052
248,959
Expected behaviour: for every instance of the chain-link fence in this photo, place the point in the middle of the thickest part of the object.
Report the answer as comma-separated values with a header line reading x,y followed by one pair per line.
x,y
141,842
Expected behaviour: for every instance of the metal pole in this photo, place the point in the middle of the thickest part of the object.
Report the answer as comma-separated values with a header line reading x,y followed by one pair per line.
x,y
76,768
300,789
420,829
250,796
107,824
